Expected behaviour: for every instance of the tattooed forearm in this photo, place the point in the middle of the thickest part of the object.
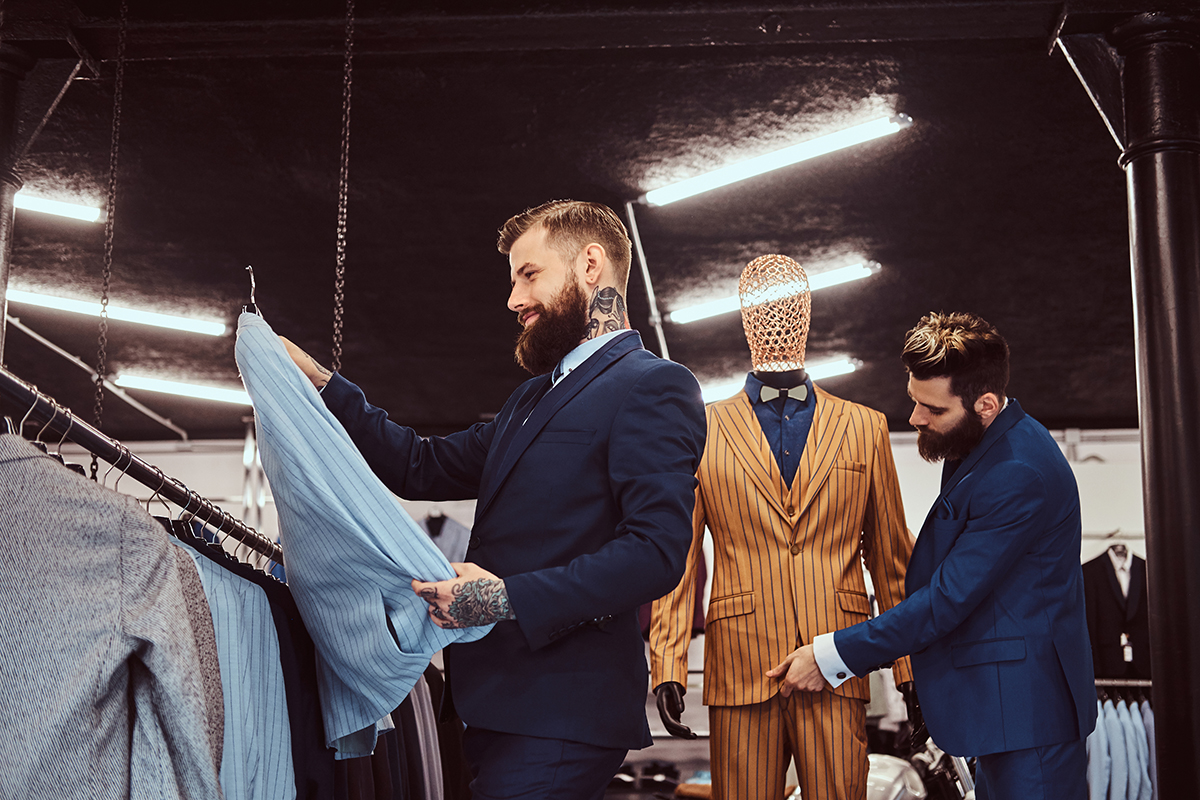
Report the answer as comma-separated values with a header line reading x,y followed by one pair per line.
x,y
478,602
324,373
606,312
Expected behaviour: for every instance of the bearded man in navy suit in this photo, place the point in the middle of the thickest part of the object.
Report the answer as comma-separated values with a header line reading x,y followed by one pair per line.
x,y
585,484
994,614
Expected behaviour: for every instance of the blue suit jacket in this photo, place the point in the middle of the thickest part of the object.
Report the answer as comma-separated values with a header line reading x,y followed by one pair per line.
x,y
585,511
994,615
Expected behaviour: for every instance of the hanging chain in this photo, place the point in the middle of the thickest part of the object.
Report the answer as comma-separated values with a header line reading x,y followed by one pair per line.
x,y
109,221
339,282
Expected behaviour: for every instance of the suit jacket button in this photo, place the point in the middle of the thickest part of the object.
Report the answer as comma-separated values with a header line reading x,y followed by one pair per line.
x,y
841,676
795,549
474,541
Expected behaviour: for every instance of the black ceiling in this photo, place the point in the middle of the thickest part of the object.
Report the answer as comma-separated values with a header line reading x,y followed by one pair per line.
x,y
1004,197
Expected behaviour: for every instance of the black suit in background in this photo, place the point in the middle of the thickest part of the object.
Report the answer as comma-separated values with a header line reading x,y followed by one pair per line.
x,y
1109,614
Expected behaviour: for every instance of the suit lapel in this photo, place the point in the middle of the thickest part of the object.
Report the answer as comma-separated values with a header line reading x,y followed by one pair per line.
x,y
517,437
821,449
745,437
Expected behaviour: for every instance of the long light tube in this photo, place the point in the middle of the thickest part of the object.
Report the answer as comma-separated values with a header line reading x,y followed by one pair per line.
x,y
57,207
206,327
820,280
825,369
793,154
238,396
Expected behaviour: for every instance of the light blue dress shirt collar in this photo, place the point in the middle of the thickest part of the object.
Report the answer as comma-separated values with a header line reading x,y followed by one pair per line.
x,y
583,352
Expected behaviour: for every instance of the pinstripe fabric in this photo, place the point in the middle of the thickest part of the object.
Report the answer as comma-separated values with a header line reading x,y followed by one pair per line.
x,y
257,758
350,550
786,561
825,732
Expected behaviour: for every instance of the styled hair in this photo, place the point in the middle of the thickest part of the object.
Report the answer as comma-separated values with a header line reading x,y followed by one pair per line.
x,y
572,225
964,347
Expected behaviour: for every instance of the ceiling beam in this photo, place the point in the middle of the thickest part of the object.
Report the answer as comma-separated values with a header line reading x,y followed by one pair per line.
x,y
816,24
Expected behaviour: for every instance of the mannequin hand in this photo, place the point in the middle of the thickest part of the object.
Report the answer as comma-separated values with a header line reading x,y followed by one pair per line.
x,y
670,709
475,597
799,672
920,734
307,364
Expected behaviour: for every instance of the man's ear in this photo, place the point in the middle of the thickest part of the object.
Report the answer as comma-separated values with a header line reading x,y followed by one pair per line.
x,y
592,261
988,406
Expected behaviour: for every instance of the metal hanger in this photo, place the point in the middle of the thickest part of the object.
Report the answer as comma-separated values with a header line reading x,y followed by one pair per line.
x,y
252,306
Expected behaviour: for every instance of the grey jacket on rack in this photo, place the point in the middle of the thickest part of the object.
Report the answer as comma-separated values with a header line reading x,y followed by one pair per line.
x,y
100,687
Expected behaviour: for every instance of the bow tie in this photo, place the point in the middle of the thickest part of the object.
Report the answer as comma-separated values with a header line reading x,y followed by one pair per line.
x,y
769,393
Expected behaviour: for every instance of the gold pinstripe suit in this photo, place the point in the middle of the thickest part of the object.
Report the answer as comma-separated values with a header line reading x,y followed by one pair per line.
x,y
786,568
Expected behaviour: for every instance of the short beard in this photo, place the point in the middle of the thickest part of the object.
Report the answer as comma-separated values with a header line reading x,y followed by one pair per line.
x,y
558,330
956,443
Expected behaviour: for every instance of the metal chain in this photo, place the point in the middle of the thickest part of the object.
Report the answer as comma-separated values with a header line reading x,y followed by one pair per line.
x,y
109,221
339,282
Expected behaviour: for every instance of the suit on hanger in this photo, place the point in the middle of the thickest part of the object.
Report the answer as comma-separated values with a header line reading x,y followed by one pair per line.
x,y
786,567
1110,613
994,617
585,494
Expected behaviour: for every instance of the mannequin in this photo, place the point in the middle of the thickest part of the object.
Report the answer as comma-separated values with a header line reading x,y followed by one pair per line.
x,y
789,532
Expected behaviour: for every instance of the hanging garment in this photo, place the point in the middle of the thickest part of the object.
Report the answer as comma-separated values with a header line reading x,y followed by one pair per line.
x,y
1099,760
257,763
456,775
350,550
312,760
1119,626
101,691
1139,734
1132,753
200,615
450,536
1118,777
1151,752
431,756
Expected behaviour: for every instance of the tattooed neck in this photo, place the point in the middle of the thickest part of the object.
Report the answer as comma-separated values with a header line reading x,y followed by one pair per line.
x,y
606,312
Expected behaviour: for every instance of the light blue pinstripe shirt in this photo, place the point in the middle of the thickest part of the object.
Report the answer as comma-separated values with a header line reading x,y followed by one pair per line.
x,y
257,760
350,550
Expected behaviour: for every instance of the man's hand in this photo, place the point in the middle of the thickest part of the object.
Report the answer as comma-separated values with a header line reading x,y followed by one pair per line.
x,y
669,696
799,672
307,364
475,597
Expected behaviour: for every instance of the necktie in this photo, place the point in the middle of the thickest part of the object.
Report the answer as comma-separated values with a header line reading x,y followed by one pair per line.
x,y
769,393
558,373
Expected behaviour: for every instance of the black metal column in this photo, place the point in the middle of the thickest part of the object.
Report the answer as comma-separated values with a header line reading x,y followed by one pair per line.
x,y
14,65
1161,88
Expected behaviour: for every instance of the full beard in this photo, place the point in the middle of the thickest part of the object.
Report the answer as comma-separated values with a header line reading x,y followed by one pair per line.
x,y
558,330
956,443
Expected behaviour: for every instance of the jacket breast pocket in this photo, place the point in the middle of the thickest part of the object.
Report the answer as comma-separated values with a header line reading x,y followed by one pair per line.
x,y
566,437
987,651
852,466
734,605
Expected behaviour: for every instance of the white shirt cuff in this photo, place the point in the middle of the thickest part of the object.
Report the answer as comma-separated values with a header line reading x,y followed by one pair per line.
x,y
829,661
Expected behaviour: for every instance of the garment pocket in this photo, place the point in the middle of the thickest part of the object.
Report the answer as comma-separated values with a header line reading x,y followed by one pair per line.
x,y
854,602
987,651
566,437
731,606
853,466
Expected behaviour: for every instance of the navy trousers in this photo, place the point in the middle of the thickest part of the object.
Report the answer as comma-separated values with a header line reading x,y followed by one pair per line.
x,y
508,766
1054,772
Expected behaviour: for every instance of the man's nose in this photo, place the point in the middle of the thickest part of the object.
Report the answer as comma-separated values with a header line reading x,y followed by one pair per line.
x,y
918,418
516,299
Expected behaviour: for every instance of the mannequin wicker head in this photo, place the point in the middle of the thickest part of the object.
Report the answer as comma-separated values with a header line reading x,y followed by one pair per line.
x,y
776,302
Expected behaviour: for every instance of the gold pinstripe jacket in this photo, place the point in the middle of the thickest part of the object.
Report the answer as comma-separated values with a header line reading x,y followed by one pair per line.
x,y
786,559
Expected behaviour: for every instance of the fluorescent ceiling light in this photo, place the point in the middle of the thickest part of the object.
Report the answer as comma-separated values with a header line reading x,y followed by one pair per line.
x,y
116,312
57,207
184,389
780,158
825,369
820,280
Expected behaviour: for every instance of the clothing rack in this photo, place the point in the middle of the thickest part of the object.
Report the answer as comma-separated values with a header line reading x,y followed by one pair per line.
x,y
59,421
1139,683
